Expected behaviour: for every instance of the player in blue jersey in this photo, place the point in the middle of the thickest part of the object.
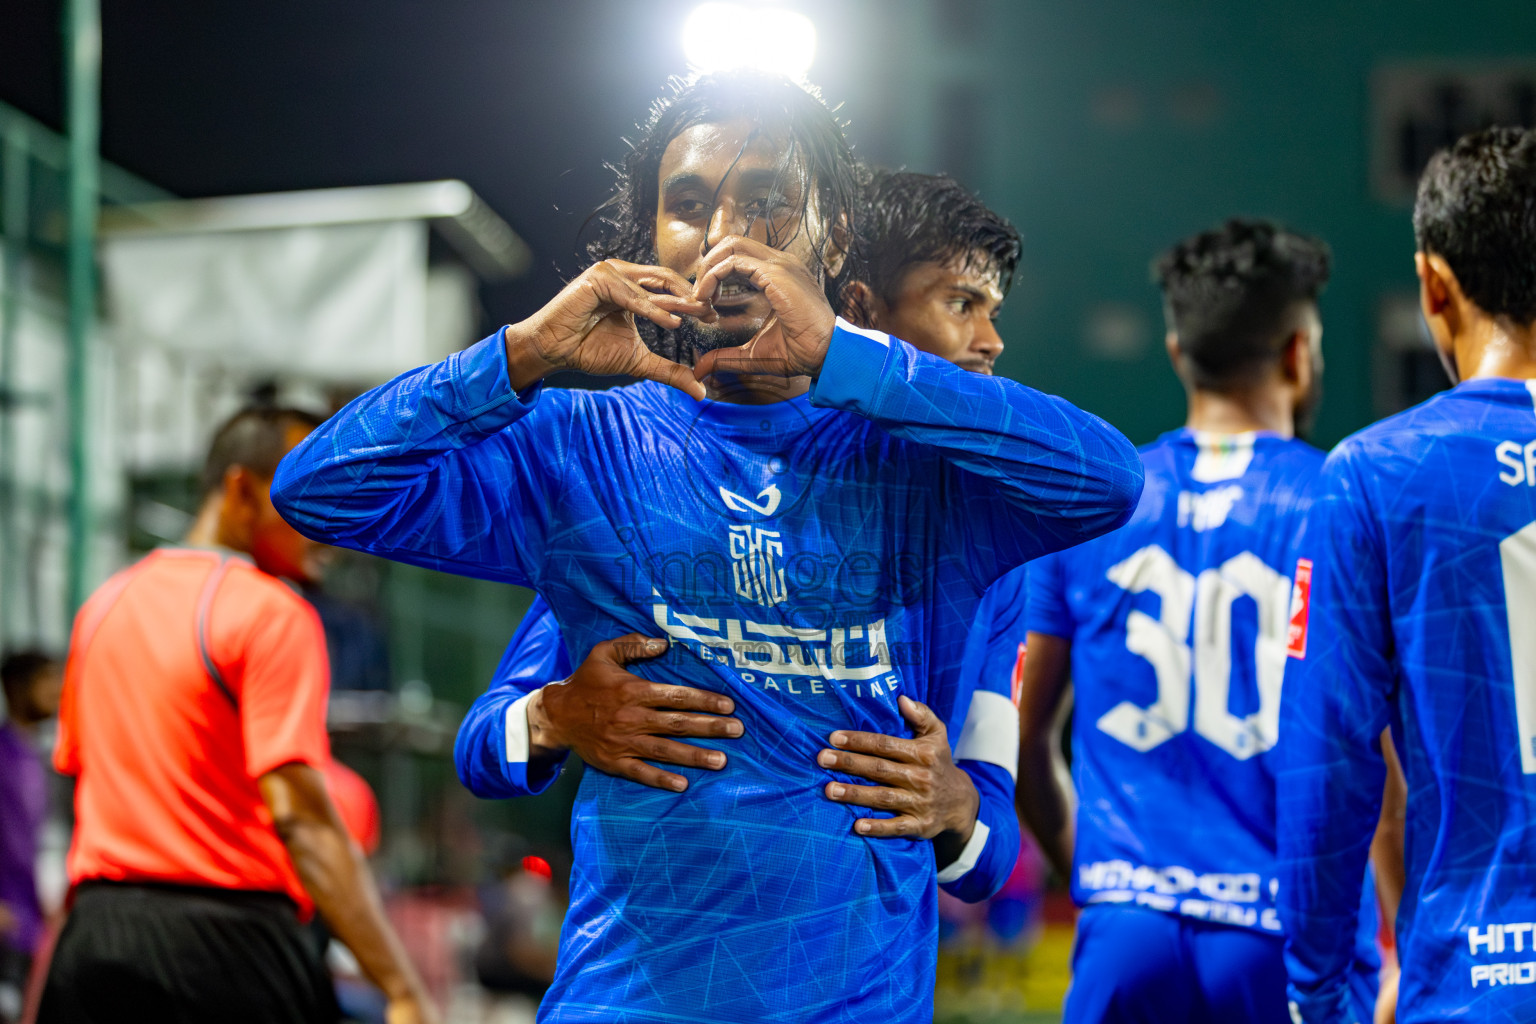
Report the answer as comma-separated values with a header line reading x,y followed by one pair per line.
x,y
810,513
1422,555
1173,633
932,265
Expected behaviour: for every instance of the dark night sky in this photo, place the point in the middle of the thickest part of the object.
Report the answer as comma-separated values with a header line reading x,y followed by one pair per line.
x,y
523,100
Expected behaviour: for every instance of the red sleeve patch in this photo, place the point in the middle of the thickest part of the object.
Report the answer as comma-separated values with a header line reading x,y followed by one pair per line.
x,y
1301,604
1018,675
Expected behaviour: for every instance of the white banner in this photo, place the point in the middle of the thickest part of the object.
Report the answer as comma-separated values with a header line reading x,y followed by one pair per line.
x,y
342,302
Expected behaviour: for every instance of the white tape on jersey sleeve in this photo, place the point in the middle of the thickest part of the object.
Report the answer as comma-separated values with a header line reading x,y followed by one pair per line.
x,y
991,732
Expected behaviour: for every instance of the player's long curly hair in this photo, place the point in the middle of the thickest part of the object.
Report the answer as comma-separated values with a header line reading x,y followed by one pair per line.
x,y
814,155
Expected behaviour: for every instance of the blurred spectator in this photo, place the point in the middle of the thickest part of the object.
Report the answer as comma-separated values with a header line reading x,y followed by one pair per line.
x,y
32,681
523,910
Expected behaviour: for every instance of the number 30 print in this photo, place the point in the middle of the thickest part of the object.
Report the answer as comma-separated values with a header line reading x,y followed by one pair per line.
x,y
1202,606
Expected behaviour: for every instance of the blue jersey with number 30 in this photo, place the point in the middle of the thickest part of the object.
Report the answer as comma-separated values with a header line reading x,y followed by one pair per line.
x,y
1423,616
1178,626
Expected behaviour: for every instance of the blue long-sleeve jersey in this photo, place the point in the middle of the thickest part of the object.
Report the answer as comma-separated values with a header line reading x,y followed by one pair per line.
x,y
985,744
1179,625
1422,616
812,558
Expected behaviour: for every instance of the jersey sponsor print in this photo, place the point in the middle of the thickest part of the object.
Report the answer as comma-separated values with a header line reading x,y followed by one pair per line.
x,y
983,730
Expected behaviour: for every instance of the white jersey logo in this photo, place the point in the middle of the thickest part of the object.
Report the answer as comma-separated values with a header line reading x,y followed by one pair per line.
x,y
755,569
1206,510
737,503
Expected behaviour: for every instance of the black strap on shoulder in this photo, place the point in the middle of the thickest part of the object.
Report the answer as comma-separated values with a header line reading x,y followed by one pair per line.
x,y
204,603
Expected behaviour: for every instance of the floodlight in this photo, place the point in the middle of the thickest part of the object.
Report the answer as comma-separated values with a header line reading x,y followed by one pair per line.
x,y
721,36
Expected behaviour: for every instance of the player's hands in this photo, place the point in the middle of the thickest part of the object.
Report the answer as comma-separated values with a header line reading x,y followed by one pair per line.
x,y
615,721
590,326
919,781
793,343
410,1010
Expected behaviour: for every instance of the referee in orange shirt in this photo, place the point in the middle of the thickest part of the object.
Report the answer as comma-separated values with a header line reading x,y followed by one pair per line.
x,y
193,719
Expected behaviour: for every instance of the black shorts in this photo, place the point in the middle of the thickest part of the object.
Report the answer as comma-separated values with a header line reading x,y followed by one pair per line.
x,y
183,954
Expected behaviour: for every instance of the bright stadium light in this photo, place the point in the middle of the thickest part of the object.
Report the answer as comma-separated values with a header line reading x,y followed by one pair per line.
x,y
719,37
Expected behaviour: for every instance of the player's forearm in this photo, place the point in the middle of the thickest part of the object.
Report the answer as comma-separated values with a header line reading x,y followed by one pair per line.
x,y
1044,802
1044,806
979,869
545,746
962,809
526,364
332,871
1319,902
1387,846
1068,474
379,475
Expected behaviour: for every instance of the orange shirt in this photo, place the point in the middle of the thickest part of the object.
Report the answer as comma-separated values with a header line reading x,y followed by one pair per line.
x,y
190,675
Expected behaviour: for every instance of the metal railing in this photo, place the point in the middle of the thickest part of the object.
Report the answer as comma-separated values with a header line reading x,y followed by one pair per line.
x,y
37,237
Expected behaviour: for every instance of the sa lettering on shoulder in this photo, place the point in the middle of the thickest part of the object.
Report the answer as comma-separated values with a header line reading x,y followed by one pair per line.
x,y
1520,461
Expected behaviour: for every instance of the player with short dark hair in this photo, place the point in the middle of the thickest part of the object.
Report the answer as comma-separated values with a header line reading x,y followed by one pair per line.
x,y
810,513
1235,297
1172,631
255,438
1473,210
910,219
1422,554
942,286
193,721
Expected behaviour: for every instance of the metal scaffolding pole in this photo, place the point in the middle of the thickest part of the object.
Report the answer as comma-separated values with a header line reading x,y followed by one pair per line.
x,y
16,161
82,60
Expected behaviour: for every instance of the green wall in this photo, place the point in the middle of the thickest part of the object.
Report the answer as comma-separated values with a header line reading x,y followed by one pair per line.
x,y
1114,127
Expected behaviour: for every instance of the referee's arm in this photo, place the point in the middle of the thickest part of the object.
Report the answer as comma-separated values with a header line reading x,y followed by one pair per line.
x,y
333,872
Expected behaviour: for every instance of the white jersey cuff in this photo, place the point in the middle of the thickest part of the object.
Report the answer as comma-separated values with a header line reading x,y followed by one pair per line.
x,y
968,856
517,730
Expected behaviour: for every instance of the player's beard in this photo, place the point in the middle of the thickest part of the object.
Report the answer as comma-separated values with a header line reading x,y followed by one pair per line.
x,y
695,338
